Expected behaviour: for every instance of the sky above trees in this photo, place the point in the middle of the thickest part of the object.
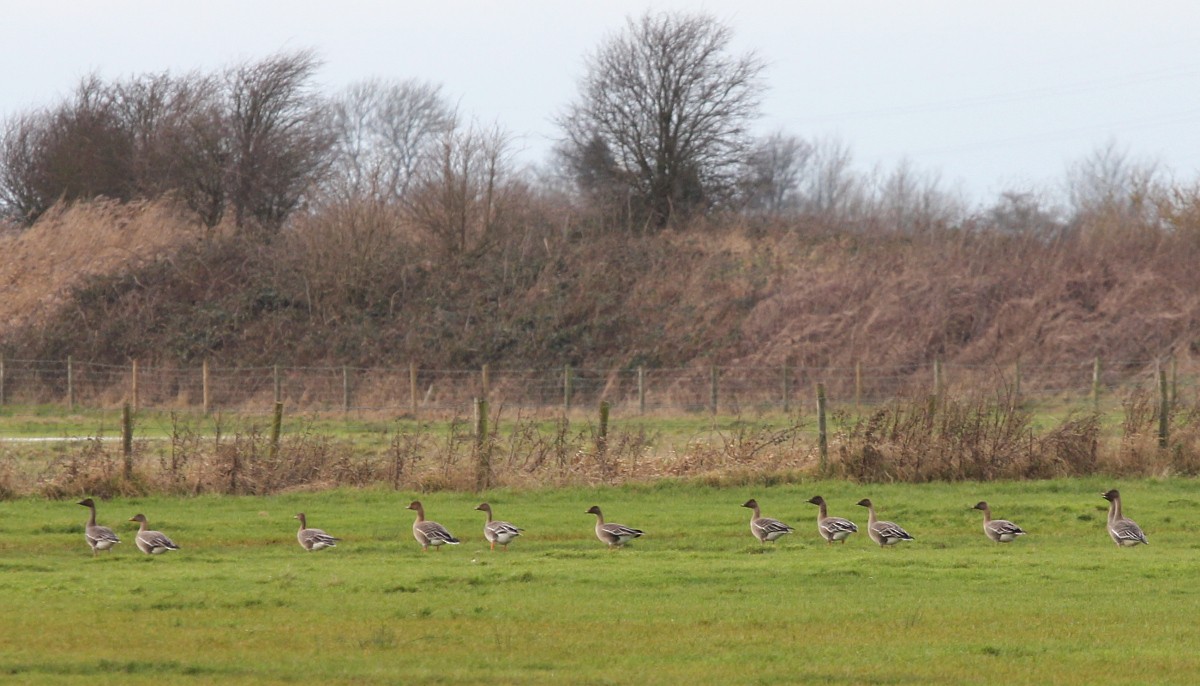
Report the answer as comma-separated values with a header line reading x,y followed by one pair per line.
x,y
987,98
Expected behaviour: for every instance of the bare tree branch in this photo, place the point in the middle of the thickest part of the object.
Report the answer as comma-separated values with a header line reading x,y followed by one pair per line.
x,y
664,109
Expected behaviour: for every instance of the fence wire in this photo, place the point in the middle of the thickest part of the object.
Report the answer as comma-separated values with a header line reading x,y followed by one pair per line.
x,y
415,390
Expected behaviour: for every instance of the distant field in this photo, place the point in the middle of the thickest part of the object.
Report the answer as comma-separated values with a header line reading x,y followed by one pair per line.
x,y
374,429
51,421
695,600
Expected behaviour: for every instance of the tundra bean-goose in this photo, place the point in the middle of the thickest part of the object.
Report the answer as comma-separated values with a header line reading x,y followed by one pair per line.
x,y
313,539
1124,532
98,537
429,533
883,533
764,528
831,528
999,530
615,535
151,542
496,531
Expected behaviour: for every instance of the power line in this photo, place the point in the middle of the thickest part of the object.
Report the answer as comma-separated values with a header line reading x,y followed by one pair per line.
x,y
1042,92
1186,116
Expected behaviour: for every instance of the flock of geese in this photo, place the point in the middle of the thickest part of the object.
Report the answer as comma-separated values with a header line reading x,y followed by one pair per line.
x,y
1123,531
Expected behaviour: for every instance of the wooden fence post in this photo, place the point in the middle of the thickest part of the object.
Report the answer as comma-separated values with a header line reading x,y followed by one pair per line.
x,y
857,385
787,388
641,380
234,461
1017,384
205,397
1096,384
714,375
276,429
938,382
485,382
567,388
412,388
133,384
1164,409
70,383
278,384
483,458
822,436
1174,380
127,440
345,389
602,434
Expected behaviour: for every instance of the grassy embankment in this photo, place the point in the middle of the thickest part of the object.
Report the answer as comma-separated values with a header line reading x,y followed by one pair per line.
x,y
695,600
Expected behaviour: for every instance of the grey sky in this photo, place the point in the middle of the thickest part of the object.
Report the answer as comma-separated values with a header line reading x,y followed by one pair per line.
x,y
989,96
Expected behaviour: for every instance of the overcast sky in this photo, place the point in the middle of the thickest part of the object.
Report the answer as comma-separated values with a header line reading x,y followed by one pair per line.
x,y
989,96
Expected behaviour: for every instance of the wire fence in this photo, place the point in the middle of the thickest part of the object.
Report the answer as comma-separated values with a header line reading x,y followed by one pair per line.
x,y
418,391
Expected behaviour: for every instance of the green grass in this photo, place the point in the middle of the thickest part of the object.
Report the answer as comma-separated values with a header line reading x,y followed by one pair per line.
x,y
695,600
25,421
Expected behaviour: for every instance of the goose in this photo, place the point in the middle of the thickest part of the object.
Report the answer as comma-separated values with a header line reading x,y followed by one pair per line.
x,y
764,528
151,542
832,528
999,530
98,537
883,533
1124,532
615,535
313,539
429,533
496,531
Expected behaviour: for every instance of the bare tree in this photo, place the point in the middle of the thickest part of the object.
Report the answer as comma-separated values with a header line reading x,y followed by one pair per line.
x,y
907,200
80,148
1109,180
280,139
773,171
256,140
459,195
180,139
1024,212
663,110
145,106
21,153
383,130
830,189
198,146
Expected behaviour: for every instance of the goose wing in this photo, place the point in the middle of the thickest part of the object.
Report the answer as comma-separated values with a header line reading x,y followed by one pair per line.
x,y
156,540
891,530
101,536
836,525
316,538
1126,530
1003,527
503,530
768,527
621,531
437,534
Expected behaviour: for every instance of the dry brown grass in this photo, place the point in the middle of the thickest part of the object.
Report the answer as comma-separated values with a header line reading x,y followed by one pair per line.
x,y
978,437
70,243
527,455
970,437
351,285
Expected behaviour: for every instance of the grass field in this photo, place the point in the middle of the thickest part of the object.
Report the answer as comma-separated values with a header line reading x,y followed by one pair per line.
x,y
695,600
364,432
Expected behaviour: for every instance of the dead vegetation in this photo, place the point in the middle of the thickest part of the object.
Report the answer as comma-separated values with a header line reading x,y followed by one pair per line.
x,y
43,265
913,439
110,283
